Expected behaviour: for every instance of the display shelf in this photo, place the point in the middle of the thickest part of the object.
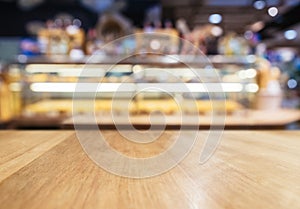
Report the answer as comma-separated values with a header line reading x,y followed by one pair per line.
x,y
244,119
37,121
56,78
161,60
137,87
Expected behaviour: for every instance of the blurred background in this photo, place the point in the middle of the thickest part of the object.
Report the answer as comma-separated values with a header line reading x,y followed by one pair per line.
x,y
252,44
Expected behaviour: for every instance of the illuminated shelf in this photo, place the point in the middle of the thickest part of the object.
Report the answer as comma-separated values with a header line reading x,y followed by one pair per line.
x,y
144,87
177,60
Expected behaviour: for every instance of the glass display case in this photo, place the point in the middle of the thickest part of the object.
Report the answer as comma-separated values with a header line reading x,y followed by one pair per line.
x,y
137,85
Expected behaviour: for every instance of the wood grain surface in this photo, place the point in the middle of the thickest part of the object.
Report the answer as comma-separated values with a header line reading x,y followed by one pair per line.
x,y
250,169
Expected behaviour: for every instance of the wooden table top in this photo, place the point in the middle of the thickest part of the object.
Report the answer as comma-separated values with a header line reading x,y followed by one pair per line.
x,y
250,169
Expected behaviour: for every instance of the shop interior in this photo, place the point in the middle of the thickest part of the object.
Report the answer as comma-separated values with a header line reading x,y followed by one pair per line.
x,y
149,104
251,47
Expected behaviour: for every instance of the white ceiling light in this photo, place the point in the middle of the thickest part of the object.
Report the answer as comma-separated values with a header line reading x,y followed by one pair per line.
x,y
272,11
259,4
292,83
290,34
215,18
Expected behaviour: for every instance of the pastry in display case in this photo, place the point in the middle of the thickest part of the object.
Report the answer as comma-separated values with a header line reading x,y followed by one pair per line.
x,y
61,41
48,86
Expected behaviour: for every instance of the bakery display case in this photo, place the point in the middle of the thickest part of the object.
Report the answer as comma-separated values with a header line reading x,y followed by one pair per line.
x,y
140,85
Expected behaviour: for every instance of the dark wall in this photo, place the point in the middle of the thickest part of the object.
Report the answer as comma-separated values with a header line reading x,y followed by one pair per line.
x,y
13,19
135,10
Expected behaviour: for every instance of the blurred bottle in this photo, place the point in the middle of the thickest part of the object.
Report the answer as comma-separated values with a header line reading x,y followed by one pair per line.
x,y
5,102
91,45
14,82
